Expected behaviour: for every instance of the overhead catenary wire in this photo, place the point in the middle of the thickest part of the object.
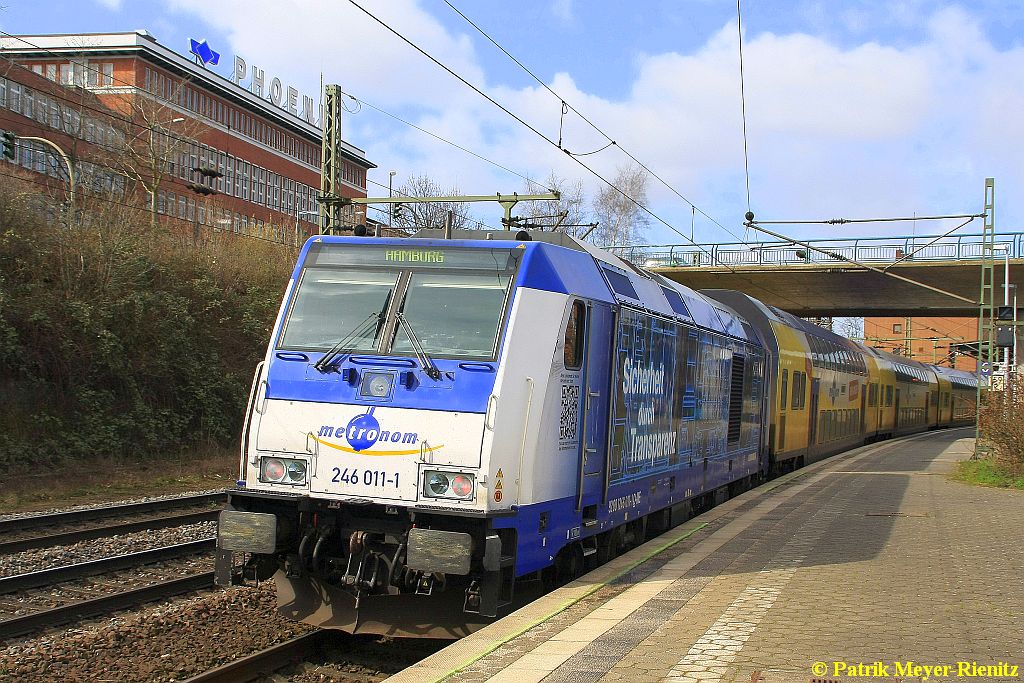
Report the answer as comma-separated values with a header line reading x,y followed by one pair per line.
x,y
742,107
442,139
514,116
607,182
566,107
843,221
528,126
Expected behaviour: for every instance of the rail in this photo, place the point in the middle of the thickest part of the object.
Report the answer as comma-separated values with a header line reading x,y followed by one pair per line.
x,y
64,614
53,575
265,662
69,537
25,522
884,250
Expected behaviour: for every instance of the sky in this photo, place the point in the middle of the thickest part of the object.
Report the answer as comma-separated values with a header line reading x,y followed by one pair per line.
x,y
854,108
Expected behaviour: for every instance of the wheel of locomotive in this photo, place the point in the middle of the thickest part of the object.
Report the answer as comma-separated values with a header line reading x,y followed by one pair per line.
x,y
608,545
570,564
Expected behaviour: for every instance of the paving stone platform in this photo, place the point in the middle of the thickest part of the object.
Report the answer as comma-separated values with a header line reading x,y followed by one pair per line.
x,y
871,558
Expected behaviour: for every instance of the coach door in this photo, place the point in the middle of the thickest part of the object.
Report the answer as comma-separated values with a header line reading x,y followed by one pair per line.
x,y
812,428
863,409
596,391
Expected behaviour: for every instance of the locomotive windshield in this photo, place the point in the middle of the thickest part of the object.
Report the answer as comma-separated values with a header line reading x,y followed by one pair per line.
x,y
454,299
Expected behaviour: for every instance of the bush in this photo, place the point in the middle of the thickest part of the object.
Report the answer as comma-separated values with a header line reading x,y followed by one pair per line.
x,y
1002,425
117,339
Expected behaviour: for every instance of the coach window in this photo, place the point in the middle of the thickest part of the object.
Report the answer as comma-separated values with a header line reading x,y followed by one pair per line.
x,y
785,389
574,330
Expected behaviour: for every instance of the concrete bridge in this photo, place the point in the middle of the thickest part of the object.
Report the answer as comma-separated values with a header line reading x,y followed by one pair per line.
x,y
821,281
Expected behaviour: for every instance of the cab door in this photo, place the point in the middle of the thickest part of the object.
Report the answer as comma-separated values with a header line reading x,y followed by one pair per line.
x,y
600,326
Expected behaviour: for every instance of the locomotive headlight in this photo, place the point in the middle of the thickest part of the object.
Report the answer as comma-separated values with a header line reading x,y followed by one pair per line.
x,y
437,484
376,384
296,471
283,471
448,485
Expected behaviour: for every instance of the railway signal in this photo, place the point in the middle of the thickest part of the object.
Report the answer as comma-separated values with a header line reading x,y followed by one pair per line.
x,y
9,139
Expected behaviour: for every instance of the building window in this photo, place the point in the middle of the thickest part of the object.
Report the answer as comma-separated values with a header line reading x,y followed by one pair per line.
x,y
28,103
108,73
897,328
14,97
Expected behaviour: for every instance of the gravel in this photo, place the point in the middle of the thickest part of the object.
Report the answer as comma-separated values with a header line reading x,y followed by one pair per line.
x,y
94,549
168,642
366,662
93,506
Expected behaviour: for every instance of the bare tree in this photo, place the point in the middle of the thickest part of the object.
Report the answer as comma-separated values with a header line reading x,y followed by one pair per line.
x,y
851,328
568,214
414,215
620,220
152,137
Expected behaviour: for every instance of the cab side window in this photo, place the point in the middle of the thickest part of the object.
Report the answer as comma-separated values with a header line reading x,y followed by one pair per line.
x,y
575,329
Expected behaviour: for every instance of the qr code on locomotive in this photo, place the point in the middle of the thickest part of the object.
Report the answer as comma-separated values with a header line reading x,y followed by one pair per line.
x,y
570,412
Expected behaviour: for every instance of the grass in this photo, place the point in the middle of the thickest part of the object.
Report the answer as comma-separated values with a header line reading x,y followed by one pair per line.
x,y
106,480
984,472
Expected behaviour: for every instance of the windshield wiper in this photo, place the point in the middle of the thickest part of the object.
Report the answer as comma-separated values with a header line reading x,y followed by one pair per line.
x,y
334,356
417,347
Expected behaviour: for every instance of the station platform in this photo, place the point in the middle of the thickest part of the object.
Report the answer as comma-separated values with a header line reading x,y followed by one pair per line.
x,y
839,571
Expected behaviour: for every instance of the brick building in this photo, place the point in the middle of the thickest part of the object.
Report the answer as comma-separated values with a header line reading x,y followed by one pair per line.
x,y
232,157
929,340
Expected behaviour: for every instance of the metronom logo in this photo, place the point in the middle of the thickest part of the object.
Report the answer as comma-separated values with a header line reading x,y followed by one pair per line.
x,y
363,432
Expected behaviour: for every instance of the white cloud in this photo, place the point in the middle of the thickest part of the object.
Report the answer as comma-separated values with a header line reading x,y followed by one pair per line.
x,y
111,4
563,10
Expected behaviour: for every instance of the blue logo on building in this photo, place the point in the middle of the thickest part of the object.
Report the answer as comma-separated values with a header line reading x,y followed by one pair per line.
x,y
202,50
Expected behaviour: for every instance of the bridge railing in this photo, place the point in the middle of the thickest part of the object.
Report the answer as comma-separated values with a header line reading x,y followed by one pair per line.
x,y
866,250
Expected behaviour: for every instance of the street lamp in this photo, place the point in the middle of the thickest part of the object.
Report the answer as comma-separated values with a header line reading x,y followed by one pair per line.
x,y
67,161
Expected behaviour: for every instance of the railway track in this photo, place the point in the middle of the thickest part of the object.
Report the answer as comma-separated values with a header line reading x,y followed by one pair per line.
x,y
43,531
71,592
92,607
266,662
53,596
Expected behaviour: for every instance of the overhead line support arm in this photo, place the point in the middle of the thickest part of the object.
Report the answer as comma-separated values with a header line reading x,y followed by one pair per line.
x,y
507,201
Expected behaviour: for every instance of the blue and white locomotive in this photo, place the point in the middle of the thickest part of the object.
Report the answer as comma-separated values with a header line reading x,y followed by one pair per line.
x,y
437,419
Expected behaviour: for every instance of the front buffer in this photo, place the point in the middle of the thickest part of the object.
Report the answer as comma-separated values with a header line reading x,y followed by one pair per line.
x,y
364,567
